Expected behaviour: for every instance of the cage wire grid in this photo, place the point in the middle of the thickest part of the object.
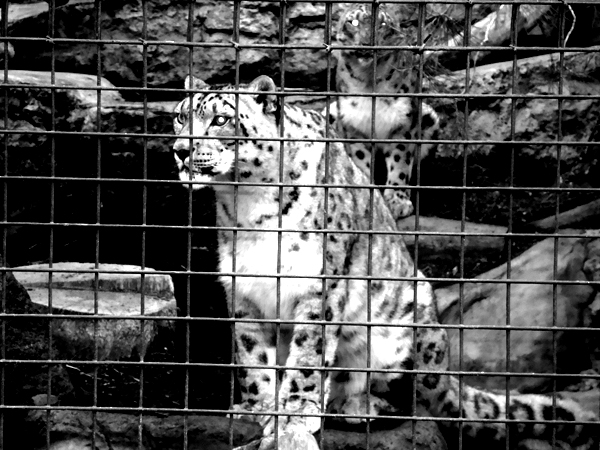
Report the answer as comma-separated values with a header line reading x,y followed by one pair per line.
x,y
186,294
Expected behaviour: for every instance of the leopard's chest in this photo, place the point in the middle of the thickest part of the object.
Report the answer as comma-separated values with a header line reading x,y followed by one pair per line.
x,y
271,268
355,113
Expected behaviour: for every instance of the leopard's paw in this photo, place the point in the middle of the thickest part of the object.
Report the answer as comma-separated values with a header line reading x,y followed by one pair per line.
x,y
297,439
268,443
354,408
398,202
290,440
349,408
241,412
246,412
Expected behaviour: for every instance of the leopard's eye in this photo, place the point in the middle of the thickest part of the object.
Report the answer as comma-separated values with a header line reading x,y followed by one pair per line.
x,y
355,23
180,118
219,121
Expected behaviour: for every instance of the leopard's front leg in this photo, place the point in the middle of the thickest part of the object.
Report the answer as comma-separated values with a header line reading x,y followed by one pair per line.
x,y
257,385
304,388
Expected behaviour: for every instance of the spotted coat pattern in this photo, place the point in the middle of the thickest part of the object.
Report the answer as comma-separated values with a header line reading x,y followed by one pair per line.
x,y
397,117
303,250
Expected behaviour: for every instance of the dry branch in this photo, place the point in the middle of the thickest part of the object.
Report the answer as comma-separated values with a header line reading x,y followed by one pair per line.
x,y
448,236
566,219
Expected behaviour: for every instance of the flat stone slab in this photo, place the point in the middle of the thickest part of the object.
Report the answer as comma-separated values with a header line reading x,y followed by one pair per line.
x,y
72,288
111,278
69,82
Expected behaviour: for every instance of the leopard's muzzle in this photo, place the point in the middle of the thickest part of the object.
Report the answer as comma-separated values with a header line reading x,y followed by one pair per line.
x,y
202,162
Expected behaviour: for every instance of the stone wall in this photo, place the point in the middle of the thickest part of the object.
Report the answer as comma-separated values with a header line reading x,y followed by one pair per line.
x,y
167,64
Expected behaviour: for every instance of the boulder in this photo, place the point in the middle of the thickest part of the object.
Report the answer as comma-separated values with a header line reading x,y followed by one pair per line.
x,y
535,305
24,341
72,289
74,429
426,436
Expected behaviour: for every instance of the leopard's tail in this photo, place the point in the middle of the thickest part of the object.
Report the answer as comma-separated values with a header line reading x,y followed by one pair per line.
x,y
528,421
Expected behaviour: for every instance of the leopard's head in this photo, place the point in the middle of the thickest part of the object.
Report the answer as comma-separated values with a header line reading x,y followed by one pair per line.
x,y
355,28
217,131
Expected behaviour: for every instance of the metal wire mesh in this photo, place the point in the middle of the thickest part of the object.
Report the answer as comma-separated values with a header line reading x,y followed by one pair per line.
x,y
101,187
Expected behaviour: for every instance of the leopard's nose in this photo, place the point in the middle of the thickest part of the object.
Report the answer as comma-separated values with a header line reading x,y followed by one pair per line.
x,y
181,148
182,154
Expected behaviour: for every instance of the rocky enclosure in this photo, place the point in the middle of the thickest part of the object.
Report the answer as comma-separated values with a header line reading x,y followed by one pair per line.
x,y
101,122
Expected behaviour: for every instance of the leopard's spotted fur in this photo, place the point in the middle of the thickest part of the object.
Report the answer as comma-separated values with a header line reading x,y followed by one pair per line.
x,y
318,284
396,117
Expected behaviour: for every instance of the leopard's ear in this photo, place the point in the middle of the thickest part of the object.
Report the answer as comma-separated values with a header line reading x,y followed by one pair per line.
x,y
191,82
261,85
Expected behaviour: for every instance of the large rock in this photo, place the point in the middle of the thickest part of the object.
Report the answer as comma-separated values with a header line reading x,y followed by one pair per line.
x,y
74,430
534,303
66,288
426,436
24,341
111,430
